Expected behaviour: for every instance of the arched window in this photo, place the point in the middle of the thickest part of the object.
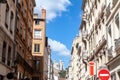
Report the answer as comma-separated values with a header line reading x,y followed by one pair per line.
x,y
6,16
11,22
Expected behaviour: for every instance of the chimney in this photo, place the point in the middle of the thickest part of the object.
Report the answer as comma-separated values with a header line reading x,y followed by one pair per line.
x,y
43,14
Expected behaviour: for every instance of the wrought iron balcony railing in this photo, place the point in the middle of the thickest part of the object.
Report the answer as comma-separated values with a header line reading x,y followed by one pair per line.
x,y
21,61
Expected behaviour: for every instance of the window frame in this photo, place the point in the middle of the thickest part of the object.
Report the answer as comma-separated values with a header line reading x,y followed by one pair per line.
x,y
36,48
37,35
4,52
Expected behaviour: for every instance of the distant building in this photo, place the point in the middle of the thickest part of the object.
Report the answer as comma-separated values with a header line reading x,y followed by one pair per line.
x,y
69,73
57,67
50,68
56,70
61,65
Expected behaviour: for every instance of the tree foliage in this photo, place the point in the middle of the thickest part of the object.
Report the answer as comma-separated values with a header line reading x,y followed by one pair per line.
x,y
62,74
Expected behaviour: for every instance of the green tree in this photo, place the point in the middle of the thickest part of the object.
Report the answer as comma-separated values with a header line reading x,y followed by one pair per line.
x,y
62,74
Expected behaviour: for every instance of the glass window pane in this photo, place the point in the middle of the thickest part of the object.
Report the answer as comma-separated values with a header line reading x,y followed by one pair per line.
x,y
37,34
37,48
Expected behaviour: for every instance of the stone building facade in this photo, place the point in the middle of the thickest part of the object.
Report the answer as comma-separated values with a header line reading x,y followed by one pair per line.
x,y
24,48
23,38
75,58
40,47
100,32
7,26
100,36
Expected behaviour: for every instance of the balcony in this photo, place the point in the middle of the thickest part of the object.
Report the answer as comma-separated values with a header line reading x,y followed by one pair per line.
x,y
101,44
117,45
22,61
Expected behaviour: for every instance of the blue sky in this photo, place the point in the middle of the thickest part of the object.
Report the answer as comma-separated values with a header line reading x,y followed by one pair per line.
x,y
63,22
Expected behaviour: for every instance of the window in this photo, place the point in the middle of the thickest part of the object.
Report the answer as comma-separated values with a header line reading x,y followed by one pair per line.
x,y
36,47
1,77
14,1
113,77
117,20
37,22
11,22
37,65
35,78
109,30
6,15
4,52
37,34
9,56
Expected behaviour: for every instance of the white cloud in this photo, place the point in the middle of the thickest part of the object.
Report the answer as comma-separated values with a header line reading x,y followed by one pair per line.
x,y
53,8
58,47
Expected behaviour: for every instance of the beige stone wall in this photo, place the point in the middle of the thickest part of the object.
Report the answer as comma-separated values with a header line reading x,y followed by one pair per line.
x,y
7,35
75,54
42,27
101,32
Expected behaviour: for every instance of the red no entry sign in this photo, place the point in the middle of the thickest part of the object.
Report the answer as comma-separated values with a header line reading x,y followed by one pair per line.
x,y
104,74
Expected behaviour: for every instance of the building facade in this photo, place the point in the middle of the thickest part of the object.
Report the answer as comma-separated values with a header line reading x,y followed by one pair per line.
x,y
23,38
40,47
61,65
69,73
75,58
24,48
100,32
7,26
100,36
113,35
56,70
50,68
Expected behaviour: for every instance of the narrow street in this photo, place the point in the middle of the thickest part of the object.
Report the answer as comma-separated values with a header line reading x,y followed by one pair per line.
x,y
59,39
